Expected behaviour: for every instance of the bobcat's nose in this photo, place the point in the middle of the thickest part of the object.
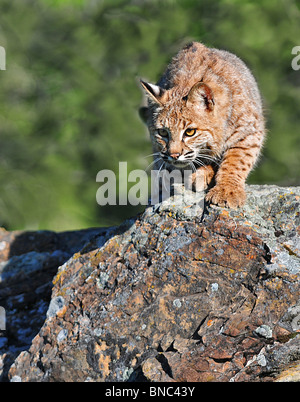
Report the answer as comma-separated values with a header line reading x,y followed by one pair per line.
x,y
175,155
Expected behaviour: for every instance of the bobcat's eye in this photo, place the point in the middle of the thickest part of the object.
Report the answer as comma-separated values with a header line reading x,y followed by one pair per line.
x,y
190,132
163,132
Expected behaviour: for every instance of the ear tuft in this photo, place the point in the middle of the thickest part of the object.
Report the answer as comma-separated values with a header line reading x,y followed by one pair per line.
x,y
153,91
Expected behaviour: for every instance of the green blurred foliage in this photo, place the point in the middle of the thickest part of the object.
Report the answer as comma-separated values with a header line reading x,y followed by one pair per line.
x,y
70,94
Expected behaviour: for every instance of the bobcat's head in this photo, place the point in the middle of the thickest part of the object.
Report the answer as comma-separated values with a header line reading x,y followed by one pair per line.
x,y
182,124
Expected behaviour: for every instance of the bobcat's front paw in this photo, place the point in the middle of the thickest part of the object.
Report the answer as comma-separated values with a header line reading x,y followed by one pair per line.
x,y
227,196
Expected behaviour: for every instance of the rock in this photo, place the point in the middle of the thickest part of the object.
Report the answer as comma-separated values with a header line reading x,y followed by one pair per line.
x,y
265,331
183,292
290,374
28,262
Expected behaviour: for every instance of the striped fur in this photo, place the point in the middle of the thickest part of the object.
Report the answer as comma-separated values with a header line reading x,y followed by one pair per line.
x,y
213,92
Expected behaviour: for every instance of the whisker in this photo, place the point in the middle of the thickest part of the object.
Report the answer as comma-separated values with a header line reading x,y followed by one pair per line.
x,y
201,156
198,162
163,181
155,153
163,163
191,163
213,159
152,163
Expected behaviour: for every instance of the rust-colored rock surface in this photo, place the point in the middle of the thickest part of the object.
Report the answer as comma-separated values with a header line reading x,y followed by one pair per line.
x,y
183,292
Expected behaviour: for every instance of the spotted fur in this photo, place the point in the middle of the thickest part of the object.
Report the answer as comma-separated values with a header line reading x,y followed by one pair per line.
x,y
213,92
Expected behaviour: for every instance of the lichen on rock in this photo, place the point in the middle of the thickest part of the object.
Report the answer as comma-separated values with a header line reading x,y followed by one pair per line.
x,y
183,292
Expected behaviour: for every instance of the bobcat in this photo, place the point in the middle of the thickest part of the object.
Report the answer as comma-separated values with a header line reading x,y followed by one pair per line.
x,y
205,113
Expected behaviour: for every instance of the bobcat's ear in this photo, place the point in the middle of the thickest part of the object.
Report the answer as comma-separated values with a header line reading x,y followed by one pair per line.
x,y
144,113
201,92
153,91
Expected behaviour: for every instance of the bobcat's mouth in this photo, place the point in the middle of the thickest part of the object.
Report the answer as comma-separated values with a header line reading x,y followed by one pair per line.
x,y
178,161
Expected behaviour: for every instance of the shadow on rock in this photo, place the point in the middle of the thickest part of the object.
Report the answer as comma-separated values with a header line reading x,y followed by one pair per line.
x,y
28,263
